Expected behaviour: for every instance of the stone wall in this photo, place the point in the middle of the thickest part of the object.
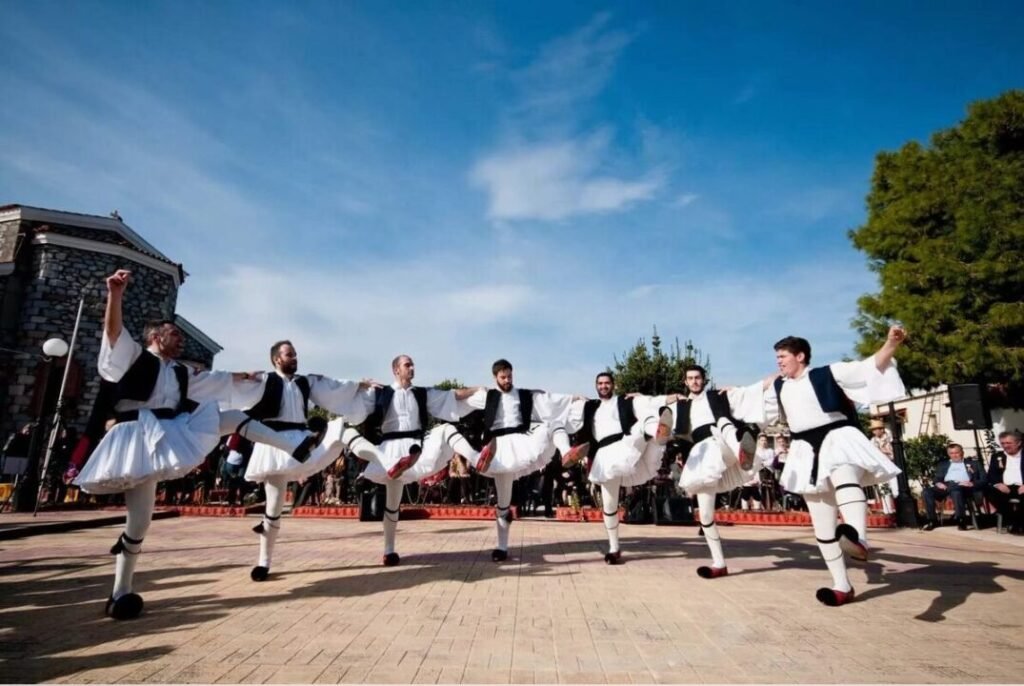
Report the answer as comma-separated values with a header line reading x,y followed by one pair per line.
x,y
48,307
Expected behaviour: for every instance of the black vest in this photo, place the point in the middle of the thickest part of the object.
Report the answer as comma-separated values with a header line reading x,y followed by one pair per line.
x,y
832,399
140,380
627,418
830,395
381,403
494,401
718,402
269,405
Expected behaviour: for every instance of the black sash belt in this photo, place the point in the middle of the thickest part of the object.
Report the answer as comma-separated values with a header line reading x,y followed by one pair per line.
x,y
394,435
607,441
159,413
276,425
815,437
521,429
702,432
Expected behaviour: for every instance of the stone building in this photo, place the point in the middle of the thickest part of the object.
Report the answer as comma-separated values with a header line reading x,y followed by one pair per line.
x,y
49,261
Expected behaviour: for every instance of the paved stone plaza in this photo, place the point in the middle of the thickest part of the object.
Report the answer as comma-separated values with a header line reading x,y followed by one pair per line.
x,y
945,606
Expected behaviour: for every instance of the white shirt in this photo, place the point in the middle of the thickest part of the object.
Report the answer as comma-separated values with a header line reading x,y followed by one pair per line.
x,y
404,412
746,403
860,381
335,395
957,472
115,361
700,410
547,407
606,419
1011,473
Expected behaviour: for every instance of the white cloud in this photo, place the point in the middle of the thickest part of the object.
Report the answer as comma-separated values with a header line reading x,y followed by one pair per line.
x,y
557,180
555,322
571,69
545,169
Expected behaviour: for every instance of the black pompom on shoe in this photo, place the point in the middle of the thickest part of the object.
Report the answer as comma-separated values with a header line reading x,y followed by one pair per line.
x,y
613,558
850,543
259,573
128,606
391,560
498,555
834,598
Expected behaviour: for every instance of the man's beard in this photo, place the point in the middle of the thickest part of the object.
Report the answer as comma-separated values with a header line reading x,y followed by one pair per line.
x,y
604,395
171,350
290,367
506,387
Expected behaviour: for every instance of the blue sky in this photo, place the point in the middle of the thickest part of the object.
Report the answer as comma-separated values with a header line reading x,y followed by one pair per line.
x,y
463,181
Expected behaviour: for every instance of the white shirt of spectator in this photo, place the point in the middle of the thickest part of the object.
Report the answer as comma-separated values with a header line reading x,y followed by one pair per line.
x,y
1011,472
957,472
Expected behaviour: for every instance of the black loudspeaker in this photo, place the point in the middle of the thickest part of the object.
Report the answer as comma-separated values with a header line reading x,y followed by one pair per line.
x,y
967,403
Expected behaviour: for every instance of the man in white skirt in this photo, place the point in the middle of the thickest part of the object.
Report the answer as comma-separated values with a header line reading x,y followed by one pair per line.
x,y
623,440
168,421
281,400
722,447
830,459
518,425
398,419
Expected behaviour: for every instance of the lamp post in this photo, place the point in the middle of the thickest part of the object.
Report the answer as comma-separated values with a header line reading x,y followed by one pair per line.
x,y
27,490
906,506
58,412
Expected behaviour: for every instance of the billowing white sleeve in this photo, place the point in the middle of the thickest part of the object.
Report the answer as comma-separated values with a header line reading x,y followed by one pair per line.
x,y
204,386
551,407
444,406
650,405
747,403
342,397
245,394
115,360
477,401
864,384
770,400
574,417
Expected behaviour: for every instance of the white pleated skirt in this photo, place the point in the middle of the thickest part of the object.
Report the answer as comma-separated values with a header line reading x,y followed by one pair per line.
x,y
267,461
633,459
135,452
706,470
521,454
846,445
435,456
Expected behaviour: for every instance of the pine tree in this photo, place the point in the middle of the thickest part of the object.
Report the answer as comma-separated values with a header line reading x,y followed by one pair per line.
x,y
649,370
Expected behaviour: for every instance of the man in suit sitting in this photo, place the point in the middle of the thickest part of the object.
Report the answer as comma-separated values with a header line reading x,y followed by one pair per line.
x,y
1005,477
954,477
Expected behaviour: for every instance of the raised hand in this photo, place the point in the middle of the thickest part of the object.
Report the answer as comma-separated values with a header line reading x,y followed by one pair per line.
x,y
117,281
897,334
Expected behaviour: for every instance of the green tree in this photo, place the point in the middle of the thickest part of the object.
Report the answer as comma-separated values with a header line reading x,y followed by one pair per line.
x,y
922,453
649,370
945,233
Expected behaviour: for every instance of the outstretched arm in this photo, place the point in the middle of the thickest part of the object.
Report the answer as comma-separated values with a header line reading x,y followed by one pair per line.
x,y
883,358
464,393
112,320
